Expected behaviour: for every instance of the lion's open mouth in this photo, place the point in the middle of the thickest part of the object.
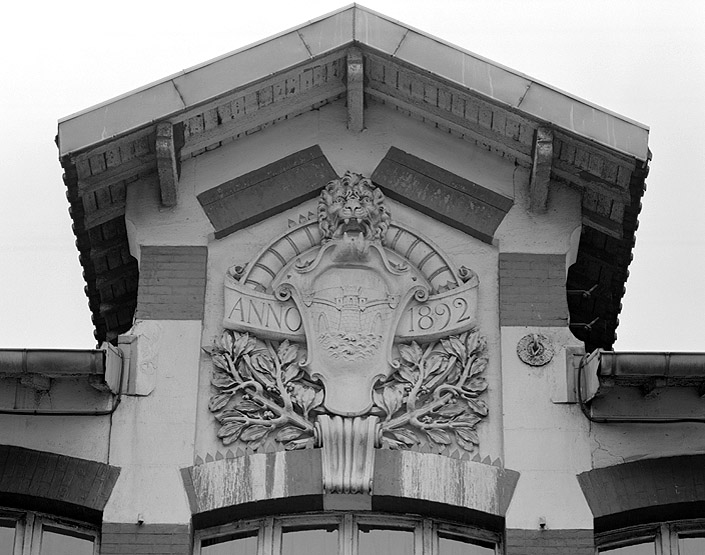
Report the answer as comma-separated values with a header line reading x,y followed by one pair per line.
x,y
353,226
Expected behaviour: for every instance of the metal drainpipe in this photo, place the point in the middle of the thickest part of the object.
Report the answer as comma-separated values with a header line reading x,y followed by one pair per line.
x,y
22,362
629,360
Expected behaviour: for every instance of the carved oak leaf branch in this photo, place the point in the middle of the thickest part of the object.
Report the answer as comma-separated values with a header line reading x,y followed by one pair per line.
x,y
261,392
434,394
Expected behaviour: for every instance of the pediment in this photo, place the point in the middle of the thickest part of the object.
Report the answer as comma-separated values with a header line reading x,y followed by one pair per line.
x,y
363,59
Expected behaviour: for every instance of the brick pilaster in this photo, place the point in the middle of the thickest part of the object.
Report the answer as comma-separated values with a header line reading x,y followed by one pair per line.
x,y
172,283
532,290
549,542
155,539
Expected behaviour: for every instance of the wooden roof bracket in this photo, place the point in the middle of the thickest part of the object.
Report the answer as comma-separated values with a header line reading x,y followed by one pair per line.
x,y
166,164
355,92
541,170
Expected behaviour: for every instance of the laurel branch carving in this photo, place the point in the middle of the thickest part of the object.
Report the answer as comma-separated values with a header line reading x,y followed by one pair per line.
x,y
262,394
434,395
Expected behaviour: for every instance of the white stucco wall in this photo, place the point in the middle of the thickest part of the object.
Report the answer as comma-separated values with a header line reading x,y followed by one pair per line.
x,y
152,436
85,437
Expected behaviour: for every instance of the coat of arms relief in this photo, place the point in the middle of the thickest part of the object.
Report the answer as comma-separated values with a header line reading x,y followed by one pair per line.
x,y
350,332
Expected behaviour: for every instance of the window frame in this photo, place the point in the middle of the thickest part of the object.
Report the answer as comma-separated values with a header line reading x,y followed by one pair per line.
x,y
665,536
425,529
30,525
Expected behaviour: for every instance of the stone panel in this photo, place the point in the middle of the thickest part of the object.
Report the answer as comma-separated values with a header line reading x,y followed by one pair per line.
x,y
172,283
441,194
532,290
261,193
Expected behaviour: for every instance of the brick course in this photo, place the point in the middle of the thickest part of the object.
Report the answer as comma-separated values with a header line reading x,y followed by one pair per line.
x,y
157,539
550,542
49,476
644,484
532,290
172,283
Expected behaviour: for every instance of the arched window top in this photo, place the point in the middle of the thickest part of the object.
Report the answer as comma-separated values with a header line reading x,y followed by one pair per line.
x,y
347,533
680,537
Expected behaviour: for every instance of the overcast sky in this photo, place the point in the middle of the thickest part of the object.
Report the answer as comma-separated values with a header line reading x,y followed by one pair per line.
x,y
642,59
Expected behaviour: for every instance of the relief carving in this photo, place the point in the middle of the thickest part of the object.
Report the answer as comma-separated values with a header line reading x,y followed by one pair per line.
x,y
535,349
390,333
434,396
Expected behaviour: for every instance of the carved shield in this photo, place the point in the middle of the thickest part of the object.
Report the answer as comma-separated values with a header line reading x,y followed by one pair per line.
x,y
350,298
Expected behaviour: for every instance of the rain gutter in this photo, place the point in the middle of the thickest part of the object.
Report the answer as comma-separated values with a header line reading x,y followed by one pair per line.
x,y
643,370
55,364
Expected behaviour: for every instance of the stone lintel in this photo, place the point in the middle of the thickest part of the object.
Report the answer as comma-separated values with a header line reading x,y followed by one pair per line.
x,y
422,478
438,193
264,192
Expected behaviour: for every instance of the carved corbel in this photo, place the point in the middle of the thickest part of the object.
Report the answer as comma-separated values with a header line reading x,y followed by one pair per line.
x,y
347,453
355,92
541,170
166,163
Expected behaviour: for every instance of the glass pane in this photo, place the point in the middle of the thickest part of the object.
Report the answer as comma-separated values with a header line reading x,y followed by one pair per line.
x,y
230,545
385,542
7,538
310,542
640,549
691,546
57,543
457,546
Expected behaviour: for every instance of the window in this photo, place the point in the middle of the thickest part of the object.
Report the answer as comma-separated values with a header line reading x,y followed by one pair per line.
x,y
346,534
36,534
669,538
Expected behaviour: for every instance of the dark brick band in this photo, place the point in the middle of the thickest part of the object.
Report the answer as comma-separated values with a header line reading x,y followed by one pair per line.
x,y
156,539
172,283
532,290
55,483
544,542
647,490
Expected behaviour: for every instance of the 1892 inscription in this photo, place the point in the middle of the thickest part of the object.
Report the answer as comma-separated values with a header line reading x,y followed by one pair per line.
x,y
438,316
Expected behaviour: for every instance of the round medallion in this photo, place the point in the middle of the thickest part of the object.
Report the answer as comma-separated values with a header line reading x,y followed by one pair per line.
x,y
535,349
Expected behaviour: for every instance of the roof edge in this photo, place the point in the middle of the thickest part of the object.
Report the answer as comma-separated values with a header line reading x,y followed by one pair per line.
x,y
203,82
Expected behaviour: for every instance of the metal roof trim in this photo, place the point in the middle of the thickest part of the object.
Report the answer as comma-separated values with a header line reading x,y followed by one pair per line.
x,y
126,112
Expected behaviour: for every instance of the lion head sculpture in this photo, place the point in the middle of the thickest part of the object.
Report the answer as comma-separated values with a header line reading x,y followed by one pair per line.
x,y
352,205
